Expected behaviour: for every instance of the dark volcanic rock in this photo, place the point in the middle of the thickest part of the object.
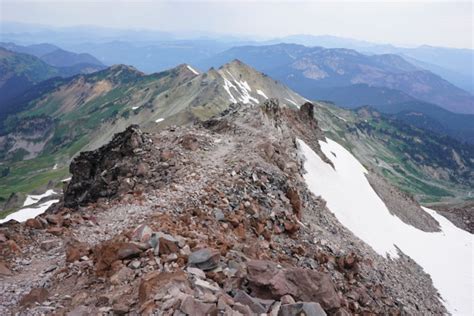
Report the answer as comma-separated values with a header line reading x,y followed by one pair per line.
x,y
105,172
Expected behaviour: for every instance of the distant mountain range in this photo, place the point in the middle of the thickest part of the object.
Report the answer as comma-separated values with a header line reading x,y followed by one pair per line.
x,y
21,68
53,55
312,70
453,64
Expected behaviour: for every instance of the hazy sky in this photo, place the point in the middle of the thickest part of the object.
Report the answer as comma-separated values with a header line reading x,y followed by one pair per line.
x,y
442,23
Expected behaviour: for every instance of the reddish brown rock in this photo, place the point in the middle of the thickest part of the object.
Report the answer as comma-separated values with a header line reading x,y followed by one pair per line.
x,y
167,246
156,280
166,155
291,227
4,269
267,281
76,251
54,219
191,306
190,142
295,201
36,295
33,223
109,252
55,230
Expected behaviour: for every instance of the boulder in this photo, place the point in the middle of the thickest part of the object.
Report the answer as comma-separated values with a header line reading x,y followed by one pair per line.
x,y
205,259
33,223
109,252
100,173
142,233
76,250
191,306
267,281
252,303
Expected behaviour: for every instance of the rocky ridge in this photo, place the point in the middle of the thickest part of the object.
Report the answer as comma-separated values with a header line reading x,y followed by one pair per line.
x,y
209,219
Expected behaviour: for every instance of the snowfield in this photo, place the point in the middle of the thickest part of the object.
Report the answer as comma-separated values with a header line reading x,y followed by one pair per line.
x,y
447,255
32,199
159,120
29,212
292,102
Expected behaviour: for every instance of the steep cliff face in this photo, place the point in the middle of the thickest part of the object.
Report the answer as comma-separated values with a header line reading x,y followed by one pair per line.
x,y
215,217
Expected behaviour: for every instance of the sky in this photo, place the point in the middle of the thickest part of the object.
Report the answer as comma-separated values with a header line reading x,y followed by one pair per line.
x,y
404,22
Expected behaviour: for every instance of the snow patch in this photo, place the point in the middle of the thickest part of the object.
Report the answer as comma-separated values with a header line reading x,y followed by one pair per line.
x,y
159,120
291,101
66,180
55,166
227,86
447,255
244,90
262,94
32,199
192,70
29,212
135,107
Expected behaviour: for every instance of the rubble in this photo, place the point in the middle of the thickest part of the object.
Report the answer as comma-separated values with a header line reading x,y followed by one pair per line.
x,y
208,219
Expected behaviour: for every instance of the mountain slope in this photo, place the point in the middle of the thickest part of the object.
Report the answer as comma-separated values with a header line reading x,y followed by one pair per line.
x,y
19,72
55,56
225,207
305,69
453,64
83,112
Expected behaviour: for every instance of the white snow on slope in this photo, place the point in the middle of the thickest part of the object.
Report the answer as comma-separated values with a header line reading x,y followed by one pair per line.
x,y
262,94
447,255
291,101
135,107
227,86
243,90
29,212
55,166
32,199
159,120
193,70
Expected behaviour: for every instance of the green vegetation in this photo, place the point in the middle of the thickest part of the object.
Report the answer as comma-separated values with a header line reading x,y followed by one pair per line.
x,y
427,165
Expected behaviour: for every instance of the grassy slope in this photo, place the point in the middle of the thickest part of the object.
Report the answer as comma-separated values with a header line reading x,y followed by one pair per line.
x,y
85,120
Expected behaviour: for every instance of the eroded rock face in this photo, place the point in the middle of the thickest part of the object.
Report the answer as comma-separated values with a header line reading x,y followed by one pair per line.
x,y
98,173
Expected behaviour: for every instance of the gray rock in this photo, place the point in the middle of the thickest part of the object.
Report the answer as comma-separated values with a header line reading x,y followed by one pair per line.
x,y
252,303
204,259
302,308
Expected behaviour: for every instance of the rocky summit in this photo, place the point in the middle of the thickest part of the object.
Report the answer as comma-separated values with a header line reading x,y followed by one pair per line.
x,y
209,219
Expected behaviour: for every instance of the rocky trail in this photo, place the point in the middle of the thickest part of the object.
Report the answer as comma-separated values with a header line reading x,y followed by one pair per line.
x,y
211,219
